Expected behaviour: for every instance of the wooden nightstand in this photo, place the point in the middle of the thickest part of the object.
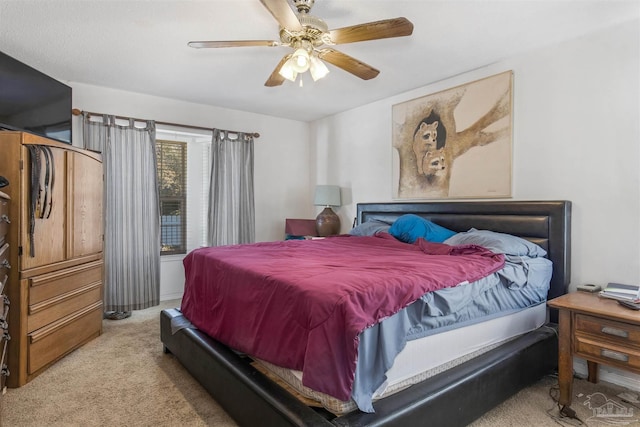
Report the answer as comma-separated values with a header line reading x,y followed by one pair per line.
x,y
596,329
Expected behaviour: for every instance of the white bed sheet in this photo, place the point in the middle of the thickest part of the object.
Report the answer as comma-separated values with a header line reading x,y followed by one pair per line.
x,y
419,356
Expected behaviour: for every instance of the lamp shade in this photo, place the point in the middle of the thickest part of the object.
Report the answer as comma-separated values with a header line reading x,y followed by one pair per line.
x,y
317,68
300,60
288,72
327,195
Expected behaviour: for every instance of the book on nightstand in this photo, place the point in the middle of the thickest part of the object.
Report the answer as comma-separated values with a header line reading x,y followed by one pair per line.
x,y
622,292
629,304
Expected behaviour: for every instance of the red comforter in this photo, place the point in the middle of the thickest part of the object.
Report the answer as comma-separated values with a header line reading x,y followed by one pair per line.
x,y
301,304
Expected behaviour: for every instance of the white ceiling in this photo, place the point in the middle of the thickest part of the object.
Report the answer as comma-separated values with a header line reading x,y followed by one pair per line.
x,y
141,45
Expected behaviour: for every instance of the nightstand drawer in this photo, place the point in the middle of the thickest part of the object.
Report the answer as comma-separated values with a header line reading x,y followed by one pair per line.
x,y
609,354
619,332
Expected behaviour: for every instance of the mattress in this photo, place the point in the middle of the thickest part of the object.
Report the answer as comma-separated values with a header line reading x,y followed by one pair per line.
x,y
418,362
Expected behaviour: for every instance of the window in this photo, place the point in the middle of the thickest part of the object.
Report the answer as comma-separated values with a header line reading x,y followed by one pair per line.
x,y
172,173
196,152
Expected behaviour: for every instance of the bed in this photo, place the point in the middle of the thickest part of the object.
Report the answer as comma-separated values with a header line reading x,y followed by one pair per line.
x,y
454,397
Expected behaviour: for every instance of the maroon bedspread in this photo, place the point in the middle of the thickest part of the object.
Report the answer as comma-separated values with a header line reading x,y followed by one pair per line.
x,y
301,304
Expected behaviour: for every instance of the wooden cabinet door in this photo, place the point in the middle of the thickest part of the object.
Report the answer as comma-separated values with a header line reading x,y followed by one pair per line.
x,y
48,243
84,205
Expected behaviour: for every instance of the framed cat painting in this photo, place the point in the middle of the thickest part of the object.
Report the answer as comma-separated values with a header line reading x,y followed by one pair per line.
x,y
455,143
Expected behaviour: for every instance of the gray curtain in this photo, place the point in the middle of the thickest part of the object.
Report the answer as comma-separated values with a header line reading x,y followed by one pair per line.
x,y
132,212
231,218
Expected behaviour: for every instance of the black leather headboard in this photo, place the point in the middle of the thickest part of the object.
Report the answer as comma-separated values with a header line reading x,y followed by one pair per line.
x,y
546,223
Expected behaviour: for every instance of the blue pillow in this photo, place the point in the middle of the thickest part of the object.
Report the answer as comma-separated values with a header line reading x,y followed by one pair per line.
x,y
500,243
408,228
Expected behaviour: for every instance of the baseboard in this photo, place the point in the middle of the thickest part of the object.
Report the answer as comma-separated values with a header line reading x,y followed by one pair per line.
x,y
609,374
167,297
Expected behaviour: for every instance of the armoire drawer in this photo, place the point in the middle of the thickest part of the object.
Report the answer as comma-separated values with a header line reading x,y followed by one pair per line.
x,y
49,311
54,341
59,283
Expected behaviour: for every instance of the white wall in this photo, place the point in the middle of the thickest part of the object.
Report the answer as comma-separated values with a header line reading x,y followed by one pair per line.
x,y
576,137
281,164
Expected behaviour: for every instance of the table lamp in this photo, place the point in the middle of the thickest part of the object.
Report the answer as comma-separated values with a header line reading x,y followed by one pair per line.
x,y
327,222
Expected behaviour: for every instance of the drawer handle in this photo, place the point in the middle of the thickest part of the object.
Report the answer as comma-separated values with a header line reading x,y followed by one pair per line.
x,y
5,264
5,218
610,354
615,331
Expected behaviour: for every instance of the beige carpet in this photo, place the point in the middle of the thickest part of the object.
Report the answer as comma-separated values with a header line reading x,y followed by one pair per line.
x,y
123,378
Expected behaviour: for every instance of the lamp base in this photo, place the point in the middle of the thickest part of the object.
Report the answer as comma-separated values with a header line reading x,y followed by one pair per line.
x,y
327,223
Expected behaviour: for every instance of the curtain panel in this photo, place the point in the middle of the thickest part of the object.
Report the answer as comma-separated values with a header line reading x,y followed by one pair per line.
x,y
231,216
132,212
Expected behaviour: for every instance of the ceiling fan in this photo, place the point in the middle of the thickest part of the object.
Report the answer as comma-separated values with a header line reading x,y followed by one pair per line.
x,y
311,39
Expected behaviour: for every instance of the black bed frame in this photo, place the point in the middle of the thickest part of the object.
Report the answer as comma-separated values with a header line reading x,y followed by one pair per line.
x,y
453,398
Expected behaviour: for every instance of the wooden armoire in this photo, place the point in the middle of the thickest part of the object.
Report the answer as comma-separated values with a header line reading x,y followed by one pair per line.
x,y
56,240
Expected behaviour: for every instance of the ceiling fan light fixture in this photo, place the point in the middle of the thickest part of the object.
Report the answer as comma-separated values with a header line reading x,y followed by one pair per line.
x,y
317,68
300,60
288,72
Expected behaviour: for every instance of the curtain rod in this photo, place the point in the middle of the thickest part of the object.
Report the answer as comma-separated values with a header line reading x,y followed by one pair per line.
x,y
77,112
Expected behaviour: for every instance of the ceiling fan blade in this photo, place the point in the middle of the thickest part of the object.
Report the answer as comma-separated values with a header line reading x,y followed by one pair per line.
x,y
283,13
397,27
348,63
233,43
275,79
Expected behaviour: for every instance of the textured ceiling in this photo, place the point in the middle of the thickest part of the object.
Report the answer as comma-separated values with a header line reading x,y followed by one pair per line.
x,y
141,46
